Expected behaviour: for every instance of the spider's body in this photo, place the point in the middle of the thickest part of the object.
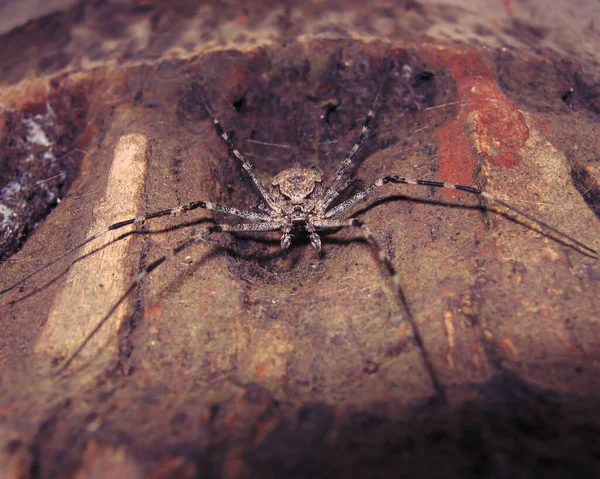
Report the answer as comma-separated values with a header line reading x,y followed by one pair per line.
x,y
297,193
297,184
297,201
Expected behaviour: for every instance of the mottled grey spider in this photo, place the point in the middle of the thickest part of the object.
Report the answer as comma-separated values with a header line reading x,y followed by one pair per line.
x,y
296,204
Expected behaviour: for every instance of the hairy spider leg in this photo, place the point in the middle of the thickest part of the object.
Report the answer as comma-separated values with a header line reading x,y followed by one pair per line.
x,y
267,226
335,194
362,195
236,153
138,279
249,215
333,191
192,240
384,258
54,261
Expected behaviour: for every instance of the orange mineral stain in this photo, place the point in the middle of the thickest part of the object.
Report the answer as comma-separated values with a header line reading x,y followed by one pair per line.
x,y
488,123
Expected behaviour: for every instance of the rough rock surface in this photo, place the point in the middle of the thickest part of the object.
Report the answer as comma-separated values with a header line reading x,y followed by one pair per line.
x,y
233,360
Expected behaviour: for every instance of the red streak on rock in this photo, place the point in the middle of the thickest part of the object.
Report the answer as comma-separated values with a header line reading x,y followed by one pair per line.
x,y
241,21
488,123
456,157
500,131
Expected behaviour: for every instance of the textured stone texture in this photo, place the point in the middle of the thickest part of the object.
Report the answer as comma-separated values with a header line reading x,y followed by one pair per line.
x,y
233,360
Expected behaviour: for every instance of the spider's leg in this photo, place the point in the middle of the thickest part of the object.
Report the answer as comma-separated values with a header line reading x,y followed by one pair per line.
x,y
387,262
245,164
350,202
286,238
266,226
195,238
55,260
249,215
206,205
335,194
334,189
343,207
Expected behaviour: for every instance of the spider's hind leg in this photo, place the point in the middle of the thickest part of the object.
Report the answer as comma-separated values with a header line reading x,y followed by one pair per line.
x,y
384,258
192,240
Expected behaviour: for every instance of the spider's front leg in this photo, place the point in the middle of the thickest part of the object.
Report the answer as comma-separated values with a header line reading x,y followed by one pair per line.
x,y
195,238
259,218
550,230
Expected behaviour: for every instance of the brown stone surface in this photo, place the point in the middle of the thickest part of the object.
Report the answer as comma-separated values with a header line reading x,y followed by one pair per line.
x,y
233,360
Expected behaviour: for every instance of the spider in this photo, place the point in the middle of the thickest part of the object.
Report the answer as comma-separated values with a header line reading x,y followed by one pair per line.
x,y
298,202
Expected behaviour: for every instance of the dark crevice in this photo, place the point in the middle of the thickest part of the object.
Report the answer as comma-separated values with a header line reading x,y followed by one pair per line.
x,y
587,187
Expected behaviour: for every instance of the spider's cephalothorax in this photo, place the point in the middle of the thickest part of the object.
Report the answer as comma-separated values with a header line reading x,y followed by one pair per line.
x,y
297,184
297,194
